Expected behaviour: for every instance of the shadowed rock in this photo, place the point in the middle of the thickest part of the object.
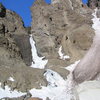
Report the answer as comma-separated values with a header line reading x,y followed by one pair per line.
x,y
94,3
25,47
2,10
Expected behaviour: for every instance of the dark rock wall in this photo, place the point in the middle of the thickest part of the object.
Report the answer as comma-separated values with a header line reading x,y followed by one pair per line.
x,y
94,3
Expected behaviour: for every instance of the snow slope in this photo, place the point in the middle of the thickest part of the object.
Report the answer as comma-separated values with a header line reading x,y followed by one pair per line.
x,y
57,88
89,90
60,89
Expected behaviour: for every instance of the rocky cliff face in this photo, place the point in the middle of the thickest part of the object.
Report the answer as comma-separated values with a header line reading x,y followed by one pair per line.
x,y
63,26
15,53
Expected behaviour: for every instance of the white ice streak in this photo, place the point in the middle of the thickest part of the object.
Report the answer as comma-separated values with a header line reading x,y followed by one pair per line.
x,y
7,92
11,79
96,23
37,62
61,55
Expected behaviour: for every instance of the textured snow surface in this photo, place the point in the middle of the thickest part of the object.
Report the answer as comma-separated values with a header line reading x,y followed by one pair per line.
x,y
61,55
89,90
37,62
7,92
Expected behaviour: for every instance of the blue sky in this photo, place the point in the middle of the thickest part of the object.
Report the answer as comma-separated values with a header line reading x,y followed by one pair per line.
x,y
85,1
22,7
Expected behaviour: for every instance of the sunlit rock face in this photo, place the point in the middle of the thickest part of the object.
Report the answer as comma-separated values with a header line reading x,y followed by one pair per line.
x,y
62,23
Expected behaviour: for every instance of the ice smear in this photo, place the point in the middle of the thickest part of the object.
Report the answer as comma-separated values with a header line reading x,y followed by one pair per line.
x,y
37,62
7,92
61,55
11,79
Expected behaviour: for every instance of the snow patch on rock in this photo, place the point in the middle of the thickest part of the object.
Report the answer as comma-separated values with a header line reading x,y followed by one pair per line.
x,y
96,22
61,55
7,92
11,79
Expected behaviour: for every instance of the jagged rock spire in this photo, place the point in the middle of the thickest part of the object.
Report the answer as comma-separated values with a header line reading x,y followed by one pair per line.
x,y
94,3
2,10
41,2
